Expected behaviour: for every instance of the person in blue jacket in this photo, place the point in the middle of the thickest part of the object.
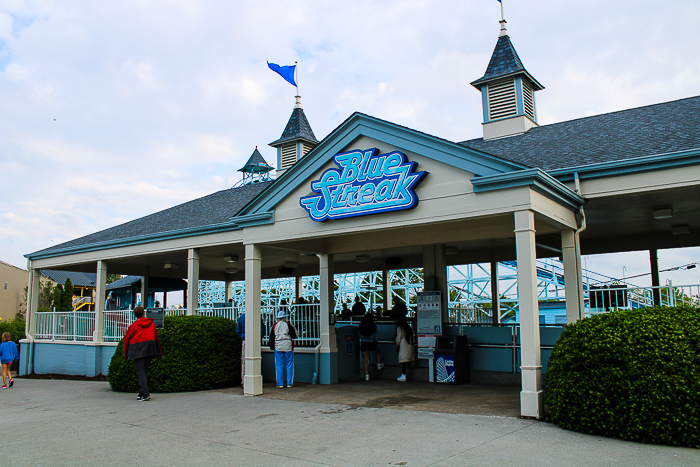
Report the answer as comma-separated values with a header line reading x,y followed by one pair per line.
x,y
240,330
8,354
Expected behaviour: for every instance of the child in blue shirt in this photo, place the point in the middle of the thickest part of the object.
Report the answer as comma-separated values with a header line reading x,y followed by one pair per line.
x,y
8,354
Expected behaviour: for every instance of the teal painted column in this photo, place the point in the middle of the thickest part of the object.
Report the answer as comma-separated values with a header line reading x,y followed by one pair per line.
x,y
328,367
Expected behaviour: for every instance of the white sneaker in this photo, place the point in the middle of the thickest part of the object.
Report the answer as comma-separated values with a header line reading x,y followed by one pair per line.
x,y
366,377
380,366
401,378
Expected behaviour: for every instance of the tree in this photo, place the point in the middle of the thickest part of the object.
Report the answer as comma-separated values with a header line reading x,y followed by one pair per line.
x,y
113,278
45,296
58,297
67,297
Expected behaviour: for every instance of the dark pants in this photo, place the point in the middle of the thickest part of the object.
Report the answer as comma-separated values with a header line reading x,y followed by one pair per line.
x,y
142,365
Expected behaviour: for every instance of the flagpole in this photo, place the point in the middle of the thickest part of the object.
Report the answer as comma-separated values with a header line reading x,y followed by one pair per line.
x,y
296,77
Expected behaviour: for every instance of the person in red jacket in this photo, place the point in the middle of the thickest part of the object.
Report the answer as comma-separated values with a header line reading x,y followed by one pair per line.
x,y
141,344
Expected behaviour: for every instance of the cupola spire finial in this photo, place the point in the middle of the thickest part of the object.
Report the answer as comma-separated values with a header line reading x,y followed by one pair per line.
x,y
502,21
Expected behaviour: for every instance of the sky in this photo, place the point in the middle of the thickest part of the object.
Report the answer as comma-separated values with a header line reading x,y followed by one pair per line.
x,y
110,111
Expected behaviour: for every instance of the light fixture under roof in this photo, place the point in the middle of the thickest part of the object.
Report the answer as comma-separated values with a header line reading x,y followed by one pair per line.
x,y
451,250
231,270
680,229
171,265
362,258
231,259
291,264
662,212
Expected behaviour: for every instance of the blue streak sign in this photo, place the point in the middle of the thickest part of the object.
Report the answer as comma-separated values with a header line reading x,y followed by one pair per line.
x,y
364,183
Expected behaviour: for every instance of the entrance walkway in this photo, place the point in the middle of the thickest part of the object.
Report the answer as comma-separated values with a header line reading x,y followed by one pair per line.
x,y
83,423
467,399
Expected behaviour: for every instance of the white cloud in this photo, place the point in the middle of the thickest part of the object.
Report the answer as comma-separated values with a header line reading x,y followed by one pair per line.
x,y
156,103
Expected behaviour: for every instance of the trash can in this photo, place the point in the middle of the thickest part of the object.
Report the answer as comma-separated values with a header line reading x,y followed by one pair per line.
x,y
452,359
348,351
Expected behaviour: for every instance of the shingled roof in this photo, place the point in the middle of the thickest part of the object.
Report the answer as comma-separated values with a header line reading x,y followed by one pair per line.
x,y
297,127
642,131
215,209
504,62
78,279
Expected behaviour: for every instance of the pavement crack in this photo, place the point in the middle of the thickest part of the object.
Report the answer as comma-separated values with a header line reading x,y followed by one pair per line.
x,y
484,443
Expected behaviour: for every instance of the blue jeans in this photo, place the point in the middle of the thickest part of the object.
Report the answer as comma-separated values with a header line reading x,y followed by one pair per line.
x,y
284,360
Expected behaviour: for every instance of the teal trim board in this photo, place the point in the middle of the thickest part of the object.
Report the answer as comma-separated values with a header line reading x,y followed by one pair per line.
x,y
537,180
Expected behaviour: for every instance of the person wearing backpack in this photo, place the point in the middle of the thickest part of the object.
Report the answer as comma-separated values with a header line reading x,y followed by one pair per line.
x,y
282,337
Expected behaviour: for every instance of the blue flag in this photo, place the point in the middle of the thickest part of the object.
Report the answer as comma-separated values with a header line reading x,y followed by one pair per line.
x,y
286,72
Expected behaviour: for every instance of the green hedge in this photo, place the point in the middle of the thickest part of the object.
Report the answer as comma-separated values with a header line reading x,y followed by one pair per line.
x,y
14,327
633,375
199,353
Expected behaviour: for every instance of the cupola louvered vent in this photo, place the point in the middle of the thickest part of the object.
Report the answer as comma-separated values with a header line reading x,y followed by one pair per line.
x,y
502,100
529,100
289,155
306,149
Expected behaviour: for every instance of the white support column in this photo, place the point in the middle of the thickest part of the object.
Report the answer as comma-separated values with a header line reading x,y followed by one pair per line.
x,y
299,286
531,396
328,372
100,297
495,293
386,290
435,274
144,291
252,382
192,281
32,301
572,276
229,290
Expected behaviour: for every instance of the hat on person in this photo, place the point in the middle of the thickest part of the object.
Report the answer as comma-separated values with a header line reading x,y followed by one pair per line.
x,y
282,314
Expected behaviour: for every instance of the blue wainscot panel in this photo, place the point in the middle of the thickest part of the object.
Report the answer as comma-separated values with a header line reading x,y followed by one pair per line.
x,y
303,366
68,358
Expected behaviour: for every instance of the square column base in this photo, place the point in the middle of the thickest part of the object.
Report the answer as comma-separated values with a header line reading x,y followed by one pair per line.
x,y
532,404
252,385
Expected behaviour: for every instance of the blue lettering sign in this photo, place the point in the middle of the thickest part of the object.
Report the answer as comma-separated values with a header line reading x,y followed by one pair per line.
x,y
364,183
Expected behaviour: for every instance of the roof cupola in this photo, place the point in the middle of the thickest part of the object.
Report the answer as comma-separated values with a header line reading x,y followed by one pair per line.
x,y
507,91
296,141
256,169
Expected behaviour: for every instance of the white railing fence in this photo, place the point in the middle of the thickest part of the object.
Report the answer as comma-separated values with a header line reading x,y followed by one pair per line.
x,y
65,325
606,298
80,325
116,324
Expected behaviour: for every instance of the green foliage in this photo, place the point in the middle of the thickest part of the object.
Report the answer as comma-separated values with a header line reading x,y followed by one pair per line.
x,y
45,296
58,297
67,297
633,375
199,352
112,278
14,327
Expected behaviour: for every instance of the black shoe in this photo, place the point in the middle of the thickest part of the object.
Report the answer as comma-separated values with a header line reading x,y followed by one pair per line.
x,y
144,397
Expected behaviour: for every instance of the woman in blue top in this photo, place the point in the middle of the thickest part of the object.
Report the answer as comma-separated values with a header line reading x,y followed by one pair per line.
x,y
8,354
368,342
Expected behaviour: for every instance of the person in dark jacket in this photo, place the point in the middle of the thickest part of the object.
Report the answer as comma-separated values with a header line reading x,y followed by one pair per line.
x,y
141,344
369,342
358,309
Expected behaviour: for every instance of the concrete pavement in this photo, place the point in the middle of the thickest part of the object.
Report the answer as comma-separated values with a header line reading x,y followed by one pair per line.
x,y
76,423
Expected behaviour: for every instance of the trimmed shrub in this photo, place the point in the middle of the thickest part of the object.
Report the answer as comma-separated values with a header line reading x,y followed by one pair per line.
x,y
633,375
14,327
199,352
